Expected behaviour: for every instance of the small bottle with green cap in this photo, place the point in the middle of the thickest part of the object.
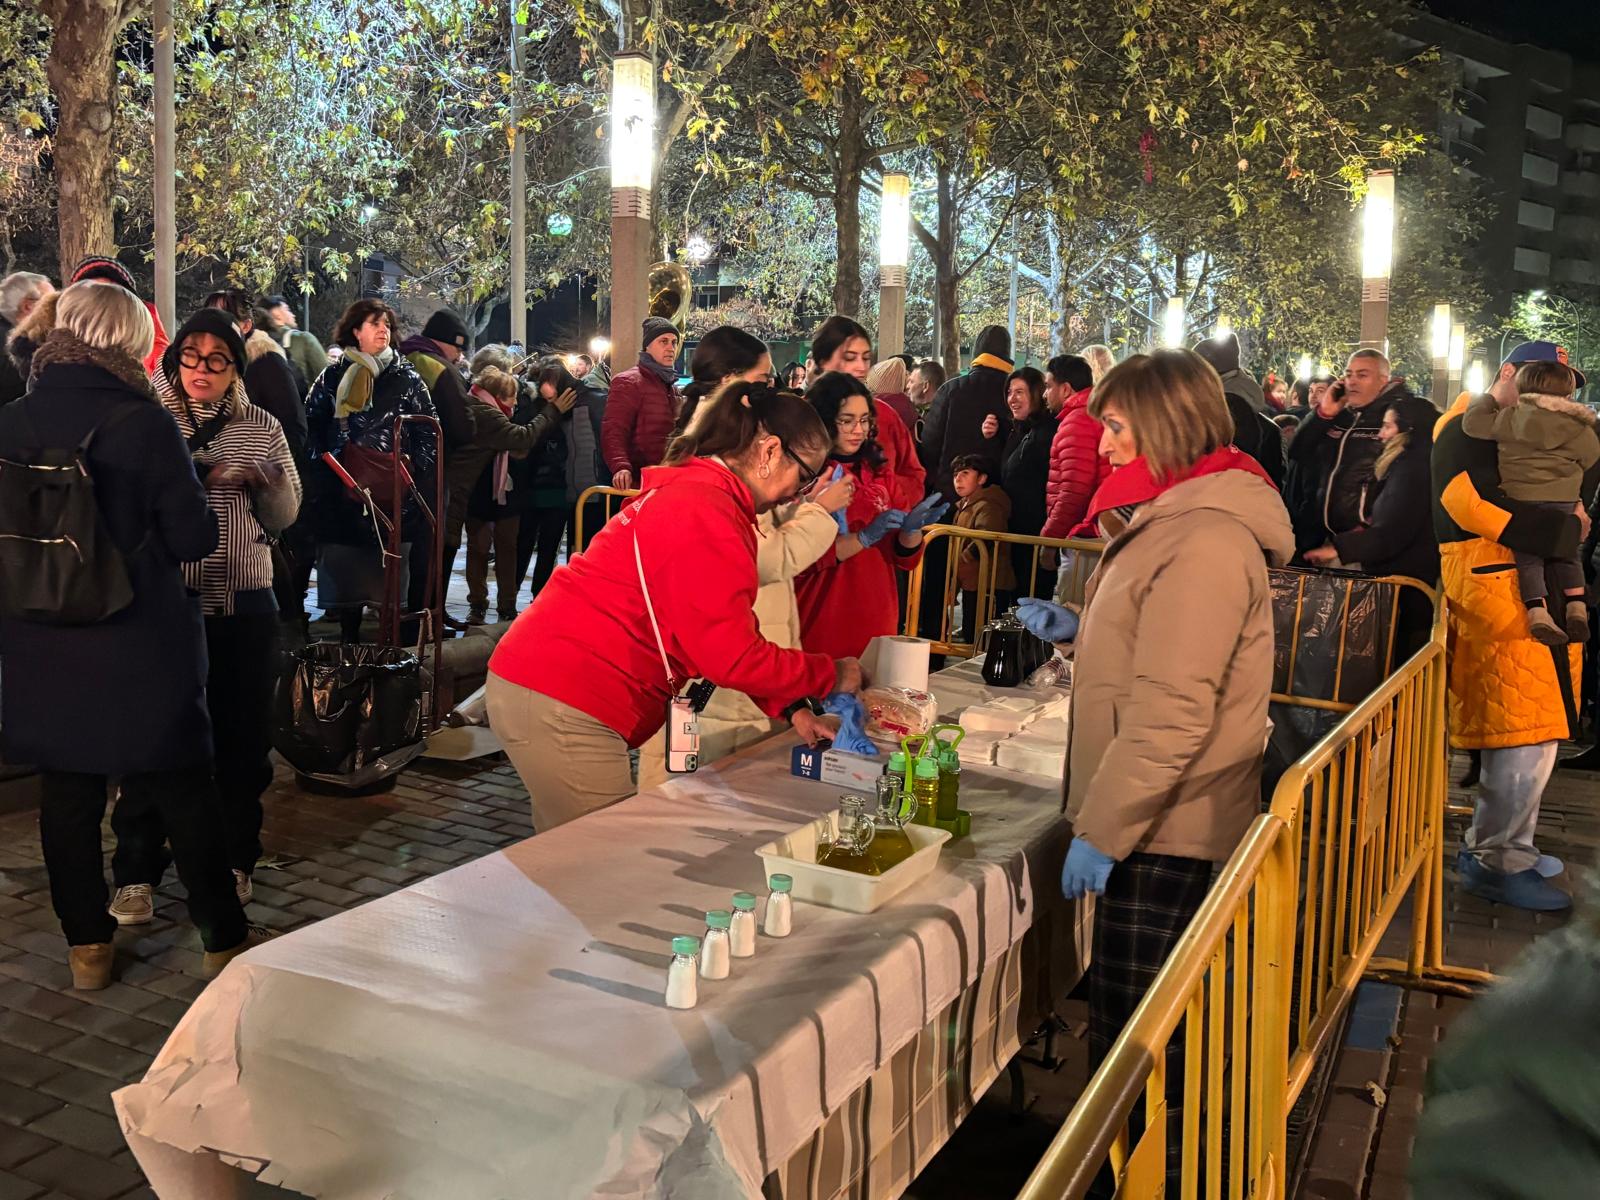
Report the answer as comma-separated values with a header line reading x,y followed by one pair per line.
x,y
949,785
780,907
715,954
926,788
682,989
742,933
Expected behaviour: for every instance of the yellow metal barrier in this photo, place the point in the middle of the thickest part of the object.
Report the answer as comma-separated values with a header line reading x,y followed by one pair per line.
x,y
611,500
991,549
1354,827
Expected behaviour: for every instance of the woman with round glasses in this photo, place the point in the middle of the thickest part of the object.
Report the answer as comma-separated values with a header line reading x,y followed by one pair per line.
x,y
849,596
242,458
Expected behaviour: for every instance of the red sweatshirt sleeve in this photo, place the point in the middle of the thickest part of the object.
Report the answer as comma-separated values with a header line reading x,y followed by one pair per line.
x,y
700,565
1074,473
910,480
616,428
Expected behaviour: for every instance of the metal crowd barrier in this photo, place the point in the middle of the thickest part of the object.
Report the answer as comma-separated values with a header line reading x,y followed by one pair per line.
x,y
1267,969
1040,577
610,500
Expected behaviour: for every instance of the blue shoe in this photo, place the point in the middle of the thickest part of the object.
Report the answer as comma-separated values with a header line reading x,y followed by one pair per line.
x,y
1549,866
1521,889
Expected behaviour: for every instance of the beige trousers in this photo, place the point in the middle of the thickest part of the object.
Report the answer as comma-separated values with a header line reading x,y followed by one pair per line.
x,y
570,763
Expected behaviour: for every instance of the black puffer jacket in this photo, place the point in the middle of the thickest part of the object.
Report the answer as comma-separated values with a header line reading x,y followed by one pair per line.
x,y
954,425
1338,457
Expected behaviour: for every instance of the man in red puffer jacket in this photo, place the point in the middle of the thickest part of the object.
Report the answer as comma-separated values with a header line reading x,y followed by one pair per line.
x,y
642,407
1076,468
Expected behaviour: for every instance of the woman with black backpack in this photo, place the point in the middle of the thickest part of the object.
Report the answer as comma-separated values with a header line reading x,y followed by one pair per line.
x,y
119,692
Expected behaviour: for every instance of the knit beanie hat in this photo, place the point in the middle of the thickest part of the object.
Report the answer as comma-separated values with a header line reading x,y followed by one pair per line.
x,y
444,326
109,270
655,327
1221,352
205,320
994,340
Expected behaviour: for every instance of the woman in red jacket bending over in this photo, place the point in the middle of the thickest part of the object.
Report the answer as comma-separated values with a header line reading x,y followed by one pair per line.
x,y
849,597
840,344
580,678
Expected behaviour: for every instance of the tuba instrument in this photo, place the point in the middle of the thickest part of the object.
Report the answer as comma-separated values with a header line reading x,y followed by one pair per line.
x,y
671,293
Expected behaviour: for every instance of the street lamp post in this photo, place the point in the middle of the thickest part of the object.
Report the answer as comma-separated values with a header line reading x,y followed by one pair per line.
x,y
894,254
1173,324
633,113
519,187
165,199
1442,328
1458,356
1377,259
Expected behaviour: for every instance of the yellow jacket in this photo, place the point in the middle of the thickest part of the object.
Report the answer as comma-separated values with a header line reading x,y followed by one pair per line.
x,y
1505,688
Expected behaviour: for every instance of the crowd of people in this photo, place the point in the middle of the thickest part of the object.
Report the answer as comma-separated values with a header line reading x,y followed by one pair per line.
x,y
777,516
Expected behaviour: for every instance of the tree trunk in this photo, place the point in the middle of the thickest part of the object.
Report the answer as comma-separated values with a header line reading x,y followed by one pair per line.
x,y
82,73
946,283
850,161
1061,302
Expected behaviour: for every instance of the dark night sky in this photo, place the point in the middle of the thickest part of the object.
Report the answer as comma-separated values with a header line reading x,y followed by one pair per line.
x,y
1569,25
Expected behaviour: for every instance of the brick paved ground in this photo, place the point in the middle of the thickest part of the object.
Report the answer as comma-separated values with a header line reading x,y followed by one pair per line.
x,y
63,1052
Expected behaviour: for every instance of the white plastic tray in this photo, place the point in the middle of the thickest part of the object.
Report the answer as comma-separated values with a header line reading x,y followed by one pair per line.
x,y
794,855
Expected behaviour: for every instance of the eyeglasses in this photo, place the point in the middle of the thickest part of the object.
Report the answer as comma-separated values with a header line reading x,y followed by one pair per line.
x,y
808,476
211,364
846,424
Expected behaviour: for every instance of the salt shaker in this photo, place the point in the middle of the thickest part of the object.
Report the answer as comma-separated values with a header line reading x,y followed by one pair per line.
x,y
715,958
780,907
682,989
742,934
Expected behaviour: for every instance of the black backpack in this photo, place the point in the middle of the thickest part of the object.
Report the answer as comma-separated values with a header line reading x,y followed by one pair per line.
x,y
58,564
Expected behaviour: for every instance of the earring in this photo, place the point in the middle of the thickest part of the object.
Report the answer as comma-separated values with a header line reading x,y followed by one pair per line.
x,y
766,470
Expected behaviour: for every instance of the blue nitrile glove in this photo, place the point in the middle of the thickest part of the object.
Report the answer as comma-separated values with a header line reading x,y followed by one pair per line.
x,y
851,737
881,525
1046,620
839,517
1086,870
927,511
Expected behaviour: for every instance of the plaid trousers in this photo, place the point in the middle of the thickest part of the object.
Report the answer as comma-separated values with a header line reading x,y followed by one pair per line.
x,y
1148,903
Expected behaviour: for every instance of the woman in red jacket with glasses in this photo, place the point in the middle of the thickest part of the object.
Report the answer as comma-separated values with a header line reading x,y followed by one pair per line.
x,y
850,597
665,594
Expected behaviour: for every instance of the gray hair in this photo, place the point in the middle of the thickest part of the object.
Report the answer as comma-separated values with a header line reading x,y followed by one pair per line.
x,y
17,289
107,317
494,355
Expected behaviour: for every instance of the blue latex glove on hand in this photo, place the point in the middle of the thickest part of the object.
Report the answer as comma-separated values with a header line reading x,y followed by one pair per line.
x,y
1086,870
927,512
851,738
881,526
1046,620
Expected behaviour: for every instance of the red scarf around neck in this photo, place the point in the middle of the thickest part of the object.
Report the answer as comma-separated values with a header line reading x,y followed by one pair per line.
x,y
1134,484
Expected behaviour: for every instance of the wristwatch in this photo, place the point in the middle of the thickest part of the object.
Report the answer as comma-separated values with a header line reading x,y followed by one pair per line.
x,y
804,702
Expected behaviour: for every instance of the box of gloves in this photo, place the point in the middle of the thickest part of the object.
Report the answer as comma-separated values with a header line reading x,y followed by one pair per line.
x,y
854,772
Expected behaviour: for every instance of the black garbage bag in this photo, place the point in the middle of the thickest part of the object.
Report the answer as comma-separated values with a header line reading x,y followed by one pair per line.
x,y
349,715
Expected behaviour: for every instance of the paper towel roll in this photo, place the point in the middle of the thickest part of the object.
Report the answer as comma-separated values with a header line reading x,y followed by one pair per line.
x,y
902,662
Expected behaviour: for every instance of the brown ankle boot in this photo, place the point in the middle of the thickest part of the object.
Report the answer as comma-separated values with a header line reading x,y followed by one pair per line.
x,y
215,960
91,966
1543,629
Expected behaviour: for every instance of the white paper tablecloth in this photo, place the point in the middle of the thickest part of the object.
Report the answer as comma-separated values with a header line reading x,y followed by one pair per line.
x,y
499,1030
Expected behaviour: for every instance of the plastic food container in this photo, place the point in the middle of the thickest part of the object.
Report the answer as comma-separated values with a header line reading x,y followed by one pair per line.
x,y
794,855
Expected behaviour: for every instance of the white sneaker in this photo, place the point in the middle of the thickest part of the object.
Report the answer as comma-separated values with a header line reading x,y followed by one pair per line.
x,y
132,905
241,885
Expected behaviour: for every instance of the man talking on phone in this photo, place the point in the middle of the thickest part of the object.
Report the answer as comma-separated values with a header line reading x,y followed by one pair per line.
x,y
1336,448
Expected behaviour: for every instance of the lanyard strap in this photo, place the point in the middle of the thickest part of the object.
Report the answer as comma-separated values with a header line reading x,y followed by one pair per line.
x,y
672,684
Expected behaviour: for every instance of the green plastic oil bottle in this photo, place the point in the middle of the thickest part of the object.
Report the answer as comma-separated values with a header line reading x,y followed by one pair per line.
x,y
949,785
925,786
